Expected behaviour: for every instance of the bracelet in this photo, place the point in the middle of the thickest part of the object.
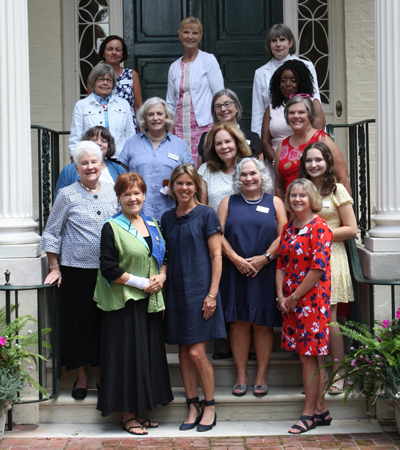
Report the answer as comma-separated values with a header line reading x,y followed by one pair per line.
x,y
281,296
165,275
212,296
295,298
54,267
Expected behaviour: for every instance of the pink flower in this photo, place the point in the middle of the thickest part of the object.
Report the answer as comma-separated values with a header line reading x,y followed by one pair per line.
x,y
385,323
30,367
353,362
336,360
377,356
370,363
284,151
367,373
398,313
351,348
2,341
389,334
294,155
379,340
377,375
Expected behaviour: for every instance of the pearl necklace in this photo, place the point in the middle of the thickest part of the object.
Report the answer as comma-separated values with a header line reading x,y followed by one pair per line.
x,y
252,202
89,190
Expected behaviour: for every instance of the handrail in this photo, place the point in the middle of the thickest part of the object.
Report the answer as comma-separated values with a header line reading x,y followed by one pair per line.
x,y
52,303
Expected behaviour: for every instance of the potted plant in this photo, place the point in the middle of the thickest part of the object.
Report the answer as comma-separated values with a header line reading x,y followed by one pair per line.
x,y
375,365
16,353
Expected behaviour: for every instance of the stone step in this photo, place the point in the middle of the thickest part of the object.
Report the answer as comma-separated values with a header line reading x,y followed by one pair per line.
x,y
281,403
284,370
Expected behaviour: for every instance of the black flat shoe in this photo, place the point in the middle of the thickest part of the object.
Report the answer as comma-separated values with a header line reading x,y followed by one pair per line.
x,y
222,355
201,427
78,394
196,402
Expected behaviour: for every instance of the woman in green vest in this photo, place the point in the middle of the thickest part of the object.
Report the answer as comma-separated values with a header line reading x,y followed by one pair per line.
x,y
134,372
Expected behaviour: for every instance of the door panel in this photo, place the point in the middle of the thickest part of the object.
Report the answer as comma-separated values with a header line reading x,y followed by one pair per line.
x,y
234,31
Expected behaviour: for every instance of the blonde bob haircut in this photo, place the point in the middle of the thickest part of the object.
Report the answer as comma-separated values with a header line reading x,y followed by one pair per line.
x,y
214,163
189,21
310,189
192,172
143,110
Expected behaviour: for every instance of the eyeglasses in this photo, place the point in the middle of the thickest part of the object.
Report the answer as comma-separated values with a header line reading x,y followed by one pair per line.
x,y
226,105
105,80
300,95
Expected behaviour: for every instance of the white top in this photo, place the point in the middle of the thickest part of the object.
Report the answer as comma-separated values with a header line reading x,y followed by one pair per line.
x,y
261,98
89,113
278,128
205,79
219,185
106,176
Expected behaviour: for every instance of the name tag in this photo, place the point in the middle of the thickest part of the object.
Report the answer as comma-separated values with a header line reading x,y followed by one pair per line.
x,y
75,197
174,157
248,141
262,209
150,223
303,231
326,203
126,82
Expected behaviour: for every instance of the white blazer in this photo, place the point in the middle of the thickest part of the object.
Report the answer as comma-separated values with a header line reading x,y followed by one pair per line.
x,y
261,98
204,80
89,113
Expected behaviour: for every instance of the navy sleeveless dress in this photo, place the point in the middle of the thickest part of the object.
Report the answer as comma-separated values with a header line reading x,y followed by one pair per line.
x,y
250,230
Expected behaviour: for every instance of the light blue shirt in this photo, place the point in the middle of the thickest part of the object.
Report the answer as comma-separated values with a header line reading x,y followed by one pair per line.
x,y
155,166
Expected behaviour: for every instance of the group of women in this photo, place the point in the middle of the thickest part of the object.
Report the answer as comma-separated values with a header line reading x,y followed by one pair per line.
x,y
216,242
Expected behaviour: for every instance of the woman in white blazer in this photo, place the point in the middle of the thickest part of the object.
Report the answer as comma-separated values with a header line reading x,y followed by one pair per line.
x,y
281,46
192,81
103,108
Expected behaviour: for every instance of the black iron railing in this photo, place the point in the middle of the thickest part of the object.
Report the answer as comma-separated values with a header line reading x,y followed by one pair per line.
x,y
47,316
48,154
359,169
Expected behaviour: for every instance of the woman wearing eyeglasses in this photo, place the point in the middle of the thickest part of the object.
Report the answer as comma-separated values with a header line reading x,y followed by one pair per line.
x,y
299,115
102,108
226,107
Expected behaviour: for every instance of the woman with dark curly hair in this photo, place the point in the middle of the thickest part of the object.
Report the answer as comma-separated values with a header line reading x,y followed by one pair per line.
x,y
291,78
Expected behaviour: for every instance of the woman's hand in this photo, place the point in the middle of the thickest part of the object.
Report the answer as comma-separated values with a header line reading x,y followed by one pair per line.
x,y
258,262
243,266
156,283
53,276
209,306
287,304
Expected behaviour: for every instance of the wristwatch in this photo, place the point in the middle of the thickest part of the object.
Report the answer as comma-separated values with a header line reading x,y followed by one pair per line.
x,y
268,256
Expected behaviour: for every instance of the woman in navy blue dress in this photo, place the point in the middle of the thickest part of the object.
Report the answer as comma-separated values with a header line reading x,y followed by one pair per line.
x,y
193,308
252,221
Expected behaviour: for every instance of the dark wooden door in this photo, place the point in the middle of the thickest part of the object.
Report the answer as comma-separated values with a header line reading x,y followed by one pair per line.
x,y
234,31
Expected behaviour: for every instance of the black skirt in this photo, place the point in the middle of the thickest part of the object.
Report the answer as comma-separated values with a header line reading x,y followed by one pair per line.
x,y
80,318
134,373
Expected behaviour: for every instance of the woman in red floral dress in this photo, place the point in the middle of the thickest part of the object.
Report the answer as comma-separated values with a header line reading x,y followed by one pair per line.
x,y
303,285
299,114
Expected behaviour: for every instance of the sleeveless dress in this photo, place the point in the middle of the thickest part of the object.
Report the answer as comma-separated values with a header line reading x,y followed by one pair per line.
x,y
278,128
289,159
342,288
245,298
124,89
185,120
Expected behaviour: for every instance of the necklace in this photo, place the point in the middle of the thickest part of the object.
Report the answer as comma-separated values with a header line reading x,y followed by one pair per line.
x,y
304,223
157,140
252,202
89,190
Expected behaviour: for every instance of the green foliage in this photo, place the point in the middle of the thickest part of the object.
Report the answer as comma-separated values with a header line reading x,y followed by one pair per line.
x,y
375,365
17,348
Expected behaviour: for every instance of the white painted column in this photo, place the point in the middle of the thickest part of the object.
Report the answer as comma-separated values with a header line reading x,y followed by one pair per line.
x,y
17,228
387,69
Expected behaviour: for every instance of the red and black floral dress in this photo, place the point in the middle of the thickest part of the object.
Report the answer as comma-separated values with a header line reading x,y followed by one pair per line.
x,y
306,329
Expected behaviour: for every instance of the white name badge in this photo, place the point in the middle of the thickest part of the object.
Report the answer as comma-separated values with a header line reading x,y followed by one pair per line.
x,y
303,231
125,82
248,141
150,223
262,209
75,197
174,157
326,203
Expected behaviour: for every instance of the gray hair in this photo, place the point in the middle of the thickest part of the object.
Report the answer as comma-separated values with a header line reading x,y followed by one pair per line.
x,y
99,71
307,103
86,148
142,113
266,180
229,93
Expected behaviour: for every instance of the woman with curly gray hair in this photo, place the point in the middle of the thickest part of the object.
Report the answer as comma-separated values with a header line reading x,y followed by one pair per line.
x,y
247,284
154,153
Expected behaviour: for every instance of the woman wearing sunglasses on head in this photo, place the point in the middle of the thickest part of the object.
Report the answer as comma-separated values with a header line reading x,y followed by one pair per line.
x,y
299,115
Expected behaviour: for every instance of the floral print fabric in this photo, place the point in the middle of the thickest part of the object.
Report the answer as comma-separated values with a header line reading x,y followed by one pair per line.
x,y
306,329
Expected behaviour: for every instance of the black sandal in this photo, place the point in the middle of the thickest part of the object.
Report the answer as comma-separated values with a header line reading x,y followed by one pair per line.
x,y
322,419
222,355
201,427
139,426
304,419
147,423
197,403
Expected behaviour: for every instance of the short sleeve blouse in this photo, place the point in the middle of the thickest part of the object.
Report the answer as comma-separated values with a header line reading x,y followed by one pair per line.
x,y
219,185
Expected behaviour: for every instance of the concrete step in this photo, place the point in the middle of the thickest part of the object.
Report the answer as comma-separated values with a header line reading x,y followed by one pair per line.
x,y
284,370
281,403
